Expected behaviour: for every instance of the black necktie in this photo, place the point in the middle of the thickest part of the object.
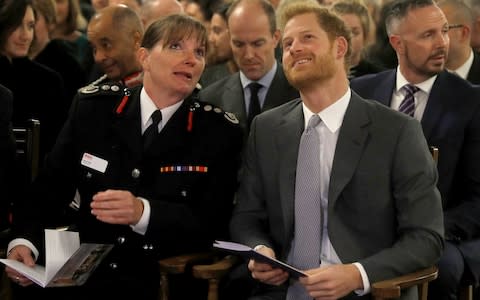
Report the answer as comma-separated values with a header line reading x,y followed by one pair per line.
x,y
152,131
254,108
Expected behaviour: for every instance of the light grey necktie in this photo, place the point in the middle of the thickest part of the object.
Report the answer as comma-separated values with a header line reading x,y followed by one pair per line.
x,y
306,247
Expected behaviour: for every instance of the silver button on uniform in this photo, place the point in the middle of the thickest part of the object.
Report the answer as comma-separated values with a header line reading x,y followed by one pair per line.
x,y
135,173
121,240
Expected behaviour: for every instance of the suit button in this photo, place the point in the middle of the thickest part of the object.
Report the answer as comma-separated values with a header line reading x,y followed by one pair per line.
x,y
113,266
183,193
147,247
121,240
135,173
89,175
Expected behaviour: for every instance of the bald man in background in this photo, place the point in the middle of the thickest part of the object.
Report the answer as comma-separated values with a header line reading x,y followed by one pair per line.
x,y
155,9
461,60
115,33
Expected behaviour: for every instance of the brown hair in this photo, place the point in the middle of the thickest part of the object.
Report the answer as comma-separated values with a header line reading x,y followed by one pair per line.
x,y
174,28
47,9
330,22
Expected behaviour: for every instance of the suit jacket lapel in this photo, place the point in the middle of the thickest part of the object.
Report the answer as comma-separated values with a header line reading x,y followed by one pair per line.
x,y
384,92
233,99
276,92
126,126
350,144
435,104
287,137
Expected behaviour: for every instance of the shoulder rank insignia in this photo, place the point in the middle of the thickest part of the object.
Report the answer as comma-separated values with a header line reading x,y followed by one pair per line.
x,y
89,89
231,117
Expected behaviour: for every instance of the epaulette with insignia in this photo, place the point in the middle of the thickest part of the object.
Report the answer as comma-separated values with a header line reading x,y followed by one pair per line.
x,y
106,87
228,115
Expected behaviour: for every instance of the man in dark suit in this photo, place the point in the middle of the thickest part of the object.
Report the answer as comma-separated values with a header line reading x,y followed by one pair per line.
x,y
7,155
378,211
167,193
254,36
461,60
448,108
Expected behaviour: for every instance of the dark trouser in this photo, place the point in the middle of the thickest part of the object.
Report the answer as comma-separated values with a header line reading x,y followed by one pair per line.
x,y
450,271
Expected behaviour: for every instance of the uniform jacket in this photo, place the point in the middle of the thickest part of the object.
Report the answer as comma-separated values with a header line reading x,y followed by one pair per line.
x,y
451,122
228,94
377,215
188,174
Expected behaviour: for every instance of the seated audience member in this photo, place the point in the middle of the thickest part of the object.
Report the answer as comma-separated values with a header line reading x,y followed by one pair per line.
x,y
70,27
55,54
115,34
135,5
358,20
7,157
222,63
38,91
475,41
448,109
461,59
152,10
353,199
380,52
166,192
260,84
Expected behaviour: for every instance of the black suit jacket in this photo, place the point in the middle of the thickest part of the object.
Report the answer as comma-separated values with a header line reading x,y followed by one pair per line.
x,y
228,95
7,154
474,73
451,122
188,174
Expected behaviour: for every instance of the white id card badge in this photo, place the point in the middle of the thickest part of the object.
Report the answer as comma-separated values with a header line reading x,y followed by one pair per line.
x,y
94,162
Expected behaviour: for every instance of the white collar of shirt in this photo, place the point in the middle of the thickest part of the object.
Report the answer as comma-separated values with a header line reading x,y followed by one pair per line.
x,y
421,97
425,86
265,81
147,107
333,115
465,68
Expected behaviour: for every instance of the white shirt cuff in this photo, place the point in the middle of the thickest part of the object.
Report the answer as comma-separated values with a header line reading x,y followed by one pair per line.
x,y
366,282
17,242
142,225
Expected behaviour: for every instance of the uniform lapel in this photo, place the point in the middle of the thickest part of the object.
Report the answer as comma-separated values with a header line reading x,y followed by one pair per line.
x,y
351,140
127,127
287,137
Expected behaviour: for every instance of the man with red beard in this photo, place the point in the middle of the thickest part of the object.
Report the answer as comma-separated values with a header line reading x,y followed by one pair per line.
x,y
340,187
448,108
115,33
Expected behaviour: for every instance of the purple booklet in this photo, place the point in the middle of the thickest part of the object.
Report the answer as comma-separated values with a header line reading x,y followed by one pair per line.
x,y
249,253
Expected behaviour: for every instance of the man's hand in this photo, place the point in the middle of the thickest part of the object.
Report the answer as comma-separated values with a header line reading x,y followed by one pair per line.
x,y
332,282
23,254
264,272
117,207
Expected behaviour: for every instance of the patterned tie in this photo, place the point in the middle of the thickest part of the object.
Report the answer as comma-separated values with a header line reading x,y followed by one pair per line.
x,y
408,104
254,108
306,246
152,131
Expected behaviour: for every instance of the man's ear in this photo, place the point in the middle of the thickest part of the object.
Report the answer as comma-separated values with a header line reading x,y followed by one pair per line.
x,y
397,43
137,39
342,47
276,37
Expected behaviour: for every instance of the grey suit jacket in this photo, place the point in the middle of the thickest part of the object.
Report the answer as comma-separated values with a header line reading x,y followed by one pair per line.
x,y
384,209
228,94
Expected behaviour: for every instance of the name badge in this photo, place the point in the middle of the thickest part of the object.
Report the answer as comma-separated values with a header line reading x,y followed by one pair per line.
x,y
94,162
